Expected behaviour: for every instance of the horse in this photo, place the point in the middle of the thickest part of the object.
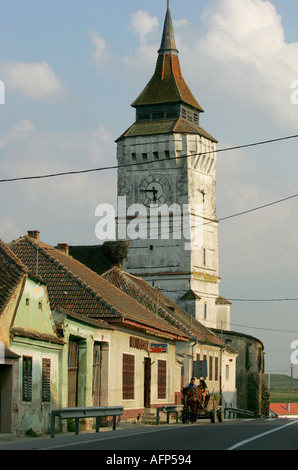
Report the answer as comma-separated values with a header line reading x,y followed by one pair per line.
x,y
192,401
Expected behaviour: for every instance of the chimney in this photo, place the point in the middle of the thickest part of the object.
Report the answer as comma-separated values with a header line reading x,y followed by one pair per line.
x,y
64,247
34,234
288,406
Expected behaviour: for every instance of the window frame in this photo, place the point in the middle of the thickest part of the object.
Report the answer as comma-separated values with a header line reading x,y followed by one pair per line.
x,y
27,375
161,379
128,376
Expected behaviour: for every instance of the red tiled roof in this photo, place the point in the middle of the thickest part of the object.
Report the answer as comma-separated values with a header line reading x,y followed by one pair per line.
x,y
281,408
167,85
148,296
73,286
12,272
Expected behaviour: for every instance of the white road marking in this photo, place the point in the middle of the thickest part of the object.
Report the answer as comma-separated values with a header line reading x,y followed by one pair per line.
x,y
239,444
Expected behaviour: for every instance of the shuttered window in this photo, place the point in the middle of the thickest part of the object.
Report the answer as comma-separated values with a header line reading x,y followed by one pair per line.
x,y
161,379
73,367
128,377
27,378
210,376
96,374
46,380
216,369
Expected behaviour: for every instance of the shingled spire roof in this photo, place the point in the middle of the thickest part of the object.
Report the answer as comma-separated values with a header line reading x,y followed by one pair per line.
x,y
168,43
167,84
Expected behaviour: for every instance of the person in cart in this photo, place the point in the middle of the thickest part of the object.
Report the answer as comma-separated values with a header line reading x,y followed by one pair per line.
x,y
192,383
203,387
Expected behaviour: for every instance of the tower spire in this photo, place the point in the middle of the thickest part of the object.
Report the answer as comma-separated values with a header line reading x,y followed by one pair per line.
x,y
168,44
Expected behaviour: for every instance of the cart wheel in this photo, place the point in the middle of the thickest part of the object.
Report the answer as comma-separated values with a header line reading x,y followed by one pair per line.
x,y
213,416
220,415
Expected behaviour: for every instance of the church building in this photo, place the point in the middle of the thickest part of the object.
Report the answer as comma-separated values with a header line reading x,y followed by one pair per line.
x,y
167,192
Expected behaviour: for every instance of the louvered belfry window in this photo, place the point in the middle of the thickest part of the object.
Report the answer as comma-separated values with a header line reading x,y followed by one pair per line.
x,y
27,378
162,379
46,380
128,377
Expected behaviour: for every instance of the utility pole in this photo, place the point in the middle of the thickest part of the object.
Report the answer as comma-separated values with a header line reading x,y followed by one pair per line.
x,y
291,385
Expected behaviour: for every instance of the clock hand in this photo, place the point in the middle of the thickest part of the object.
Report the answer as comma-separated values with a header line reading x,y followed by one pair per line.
x,y
153,191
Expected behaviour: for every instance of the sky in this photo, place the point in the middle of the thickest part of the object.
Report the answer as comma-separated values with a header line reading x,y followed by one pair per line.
x,y
71,71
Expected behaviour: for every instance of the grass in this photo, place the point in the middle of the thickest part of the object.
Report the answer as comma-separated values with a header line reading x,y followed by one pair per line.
x,y
283,389
283,396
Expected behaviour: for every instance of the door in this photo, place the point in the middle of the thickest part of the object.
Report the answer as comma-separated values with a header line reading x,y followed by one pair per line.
x,y
5,398
147,381
73,364
96,374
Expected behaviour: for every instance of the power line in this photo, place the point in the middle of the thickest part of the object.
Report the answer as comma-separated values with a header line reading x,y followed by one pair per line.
x,y
265,329
258,208
114,167
294,299
264,300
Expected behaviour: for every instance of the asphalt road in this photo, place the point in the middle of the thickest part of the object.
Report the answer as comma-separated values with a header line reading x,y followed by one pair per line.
x,y
187,439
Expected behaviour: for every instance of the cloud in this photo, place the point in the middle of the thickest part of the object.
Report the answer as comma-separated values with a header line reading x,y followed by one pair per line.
x,y
67,202
17,132
142,23
36,80
141,61
245,40
100,54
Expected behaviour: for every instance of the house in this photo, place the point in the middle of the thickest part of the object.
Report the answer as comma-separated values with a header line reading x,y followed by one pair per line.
x,y
204,345
284,410
133,373
29,370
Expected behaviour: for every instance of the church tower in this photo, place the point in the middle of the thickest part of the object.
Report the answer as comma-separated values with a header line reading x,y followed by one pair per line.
x,y
167,192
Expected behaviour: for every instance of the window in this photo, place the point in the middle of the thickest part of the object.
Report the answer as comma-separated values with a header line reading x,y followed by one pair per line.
x,y
161,379
27,302
205,311
204,256
227,372
155,155
46,380
216,368
27,378
205,359
210,376
145,157
128,377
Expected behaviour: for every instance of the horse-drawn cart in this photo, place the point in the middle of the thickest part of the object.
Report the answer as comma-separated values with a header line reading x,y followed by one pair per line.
x,y
196,407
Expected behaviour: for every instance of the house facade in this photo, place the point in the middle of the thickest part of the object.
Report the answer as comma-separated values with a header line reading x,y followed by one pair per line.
x,y
29,370
118,342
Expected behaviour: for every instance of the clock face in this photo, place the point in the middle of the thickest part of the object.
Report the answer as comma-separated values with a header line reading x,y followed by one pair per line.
x,y
154,190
